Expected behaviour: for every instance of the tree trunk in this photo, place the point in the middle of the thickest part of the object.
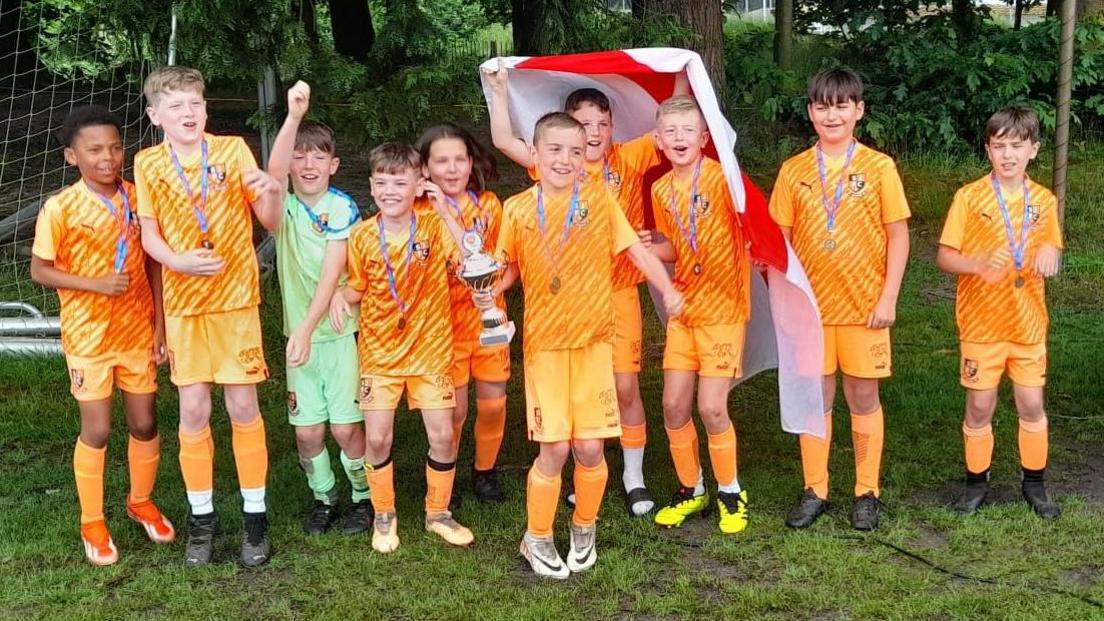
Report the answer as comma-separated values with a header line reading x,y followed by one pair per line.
x,y
1018,19
704,18
783,34
351,22
525,22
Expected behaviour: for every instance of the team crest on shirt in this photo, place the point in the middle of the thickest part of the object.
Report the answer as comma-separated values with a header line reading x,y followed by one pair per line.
x,y
77,377
970,370
856,185
421,251
613,182
293,403
365,390
701,205
1033,213
216,174
582,216
319,226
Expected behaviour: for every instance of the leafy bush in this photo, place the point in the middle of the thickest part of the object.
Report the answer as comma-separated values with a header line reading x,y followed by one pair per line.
x,y
927,88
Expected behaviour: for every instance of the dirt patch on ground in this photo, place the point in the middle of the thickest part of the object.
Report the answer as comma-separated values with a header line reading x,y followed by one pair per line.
x,y
929,538
1089,576
1083,477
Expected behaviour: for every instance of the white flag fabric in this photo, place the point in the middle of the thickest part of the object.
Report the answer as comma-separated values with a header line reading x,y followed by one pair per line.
x,y
784,331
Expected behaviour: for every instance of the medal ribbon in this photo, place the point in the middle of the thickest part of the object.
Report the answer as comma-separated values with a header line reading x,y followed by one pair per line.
x,y
387,260
479,224
690,234
1017,248
831,208
354,217
121,247
200,208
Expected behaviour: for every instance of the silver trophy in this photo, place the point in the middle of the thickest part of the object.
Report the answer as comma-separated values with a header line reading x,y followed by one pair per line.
x,y
480,272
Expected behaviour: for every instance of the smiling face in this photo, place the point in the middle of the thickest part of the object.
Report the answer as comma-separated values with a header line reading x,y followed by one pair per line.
x,y
835,122
1010,154
182,114
311,170
97,151
394,192
558,153
681,136
449,165
599,130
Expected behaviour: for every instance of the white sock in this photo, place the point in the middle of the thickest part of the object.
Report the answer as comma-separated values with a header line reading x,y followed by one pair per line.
x,y
253,500
731,488
699,487
633,475
202,502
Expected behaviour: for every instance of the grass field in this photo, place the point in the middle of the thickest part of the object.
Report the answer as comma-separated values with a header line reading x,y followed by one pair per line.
x,y
924,562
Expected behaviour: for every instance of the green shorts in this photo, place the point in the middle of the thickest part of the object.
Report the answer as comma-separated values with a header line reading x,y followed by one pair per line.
x,y
325,388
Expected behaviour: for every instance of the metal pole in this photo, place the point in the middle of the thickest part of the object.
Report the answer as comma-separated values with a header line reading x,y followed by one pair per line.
x,y
172,39
266,101
1062,116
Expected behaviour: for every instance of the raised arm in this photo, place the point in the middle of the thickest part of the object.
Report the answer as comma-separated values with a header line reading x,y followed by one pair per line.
x,y
279,161
502,130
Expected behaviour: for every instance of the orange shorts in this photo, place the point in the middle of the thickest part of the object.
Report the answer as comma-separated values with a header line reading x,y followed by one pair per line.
x,y
219,348
858,351
485,364
712,351
92,378
983,364
570,394
423,392
627,330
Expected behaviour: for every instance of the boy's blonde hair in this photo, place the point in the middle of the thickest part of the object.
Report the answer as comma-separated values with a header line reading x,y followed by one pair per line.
x,y
172,78
678,105
394,158
555,120
1013,122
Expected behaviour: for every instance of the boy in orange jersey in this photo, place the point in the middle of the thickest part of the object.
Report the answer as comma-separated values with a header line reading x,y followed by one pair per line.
x,y
195,192
695,215
621,168
1002,238
459,169
87,245
563,236
397,273
842,206
311,254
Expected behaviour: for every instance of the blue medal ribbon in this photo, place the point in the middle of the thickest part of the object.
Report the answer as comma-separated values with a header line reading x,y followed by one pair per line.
x,y
200,208
121,247
479,224
354,215
391,282
568,221
690,233
1017,248
831,208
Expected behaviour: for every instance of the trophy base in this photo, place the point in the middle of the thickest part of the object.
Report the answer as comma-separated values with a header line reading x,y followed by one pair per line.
x,y
500,335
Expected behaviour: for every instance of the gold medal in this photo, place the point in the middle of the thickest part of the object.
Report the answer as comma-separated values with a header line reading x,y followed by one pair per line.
x,y
1019,282
554,286
829,244
402,323
206,244
697,269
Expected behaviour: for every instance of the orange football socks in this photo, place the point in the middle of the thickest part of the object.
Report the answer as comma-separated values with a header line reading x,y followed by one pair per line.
x,y
814,458
88,466
541,498
684,452
251,459
590,487
197,456
143,459
868,436
1033,444
722,455
439,480
381,482
490,426
979,448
